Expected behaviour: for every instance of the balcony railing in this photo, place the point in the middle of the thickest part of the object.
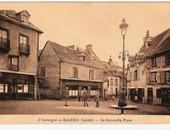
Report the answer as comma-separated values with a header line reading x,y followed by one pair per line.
x,y
4,44
24,49
14,67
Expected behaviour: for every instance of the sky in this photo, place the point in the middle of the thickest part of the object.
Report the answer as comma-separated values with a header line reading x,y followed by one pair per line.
x,y
84,23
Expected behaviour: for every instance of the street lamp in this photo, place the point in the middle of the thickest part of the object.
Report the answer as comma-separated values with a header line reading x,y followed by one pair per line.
x,y
123,28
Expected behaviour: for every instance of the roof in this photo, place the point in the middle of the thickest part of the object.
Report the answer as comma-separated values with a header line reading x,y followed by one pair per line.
x,y
12,16
69,55
164,47
156,42
111,70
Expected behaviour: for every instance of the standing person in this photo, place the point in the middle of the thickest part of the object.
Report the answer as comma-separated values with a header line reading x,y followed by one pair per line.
x,y
85,97
79,95
97,99
122,101
66,95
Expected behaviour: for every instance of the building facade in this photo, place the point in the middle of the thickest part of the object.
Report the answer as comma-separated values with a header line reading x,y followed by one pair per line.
x,y
112,79
149,71
19,41
61,67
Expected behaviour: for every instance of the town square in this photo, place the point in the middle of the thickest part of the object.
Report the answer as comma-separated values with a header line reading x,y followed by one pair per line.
x,y
85,59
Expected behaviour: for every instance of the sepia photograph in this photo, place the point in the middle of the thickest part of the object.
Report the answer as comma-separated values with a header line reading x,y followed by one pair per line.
x,y
84,63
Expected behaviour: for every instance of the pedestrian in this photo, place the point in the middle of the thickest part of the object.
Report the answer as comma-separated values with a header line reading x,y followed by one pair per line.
x,y
96,98
79,95
122,101
85,97
66,95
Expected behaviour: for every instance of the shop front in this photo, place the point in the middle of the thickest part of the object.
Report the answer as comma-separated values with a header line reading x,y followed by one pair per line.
x,y
16,86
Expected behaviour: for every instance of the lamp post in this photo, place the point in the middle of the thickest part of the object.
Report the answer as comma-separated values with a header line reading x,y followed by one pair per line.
x,y
123,28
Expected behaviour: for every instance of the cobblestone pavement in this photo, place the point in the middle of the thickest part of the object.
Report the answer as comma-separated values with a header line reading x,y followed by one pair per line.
x,y
76,108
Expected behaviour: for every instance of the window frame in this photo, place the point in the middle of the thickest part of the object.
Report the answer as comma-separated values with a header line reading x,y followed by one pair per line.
x,y
153,62
24,48
167,59
7,38
10,62
91,74
75,72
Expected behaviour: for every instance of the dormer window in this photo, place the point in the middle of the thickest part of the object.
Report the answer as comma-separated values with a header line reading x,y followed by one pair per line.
x,y
24,16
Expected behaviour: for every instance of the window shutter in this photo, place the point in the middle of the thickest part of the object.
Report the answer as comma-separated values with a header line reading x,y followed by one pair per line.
x,y
163,61
162,77
158,77
148,63
158,61
147,77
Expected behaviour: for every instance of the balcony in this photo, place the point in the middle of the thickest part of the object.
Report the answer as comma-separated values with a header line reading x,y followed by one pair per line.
x,y
24,49
4,45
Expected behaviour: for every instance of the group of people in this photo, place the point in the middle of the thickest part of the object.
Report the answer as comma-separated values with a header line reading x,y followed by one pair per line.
x,y
121,102
84,97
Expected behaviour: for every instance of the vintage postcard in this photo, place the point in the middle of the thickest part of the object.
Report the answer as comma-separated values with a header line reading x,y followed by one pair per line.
x,y
84,63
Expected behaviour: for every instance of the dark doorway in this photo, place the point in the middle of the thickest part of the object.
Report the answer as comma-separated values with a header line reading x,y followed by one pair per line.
x,y
150,96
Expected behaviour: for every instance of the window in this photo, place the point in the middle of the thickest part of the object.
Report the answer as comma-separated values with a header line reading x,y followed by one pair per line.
x,y
168,77
153,78
116,82
42,71
153,62
24,18
24,47
73,90
91,74
168,59
75,72
111,82
22,85
4,42
135,75
14,62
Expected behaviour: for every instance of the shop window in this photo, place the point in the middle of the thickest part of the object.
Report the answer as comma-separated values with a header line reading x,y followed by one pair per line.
x,y
91,74
4,40
73,91
1,88
14,62
24,47
75,72
22,86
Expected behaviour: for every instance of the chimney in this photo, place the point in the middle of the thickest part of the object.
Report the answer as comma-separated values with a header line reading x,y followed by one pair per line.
x,y
71,47
89,49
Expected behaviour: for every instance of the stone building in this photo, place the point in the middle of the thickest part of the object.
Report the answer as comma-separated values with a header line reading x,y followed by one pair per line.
x,y
19,41
61,67
112,78
148,74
